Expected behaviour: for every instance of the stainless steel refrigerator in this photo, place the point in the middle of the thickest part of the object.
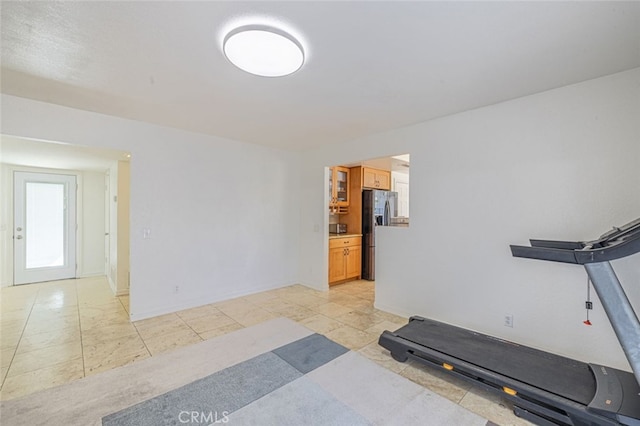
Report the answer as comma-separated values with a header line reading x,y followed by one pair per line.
x,y
378,207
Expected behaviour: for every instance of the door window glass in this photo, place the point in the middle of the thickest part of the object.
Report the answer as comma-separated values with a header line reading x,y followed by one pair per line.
x,y
44,224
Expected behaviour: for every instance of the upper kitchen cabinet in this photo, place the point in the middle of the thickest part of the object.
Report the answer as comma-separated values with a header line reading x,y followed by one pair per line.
x,y
339,189
376,178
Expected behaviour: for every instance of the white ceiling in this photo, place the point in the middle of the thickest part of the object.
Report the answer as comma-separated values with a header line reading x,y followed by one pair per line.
x,y
397,163
31,153
371,66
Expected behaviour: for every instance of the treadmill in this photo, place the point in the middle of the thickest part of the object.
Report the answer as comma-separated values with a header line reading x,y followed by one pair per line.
x,y
545,388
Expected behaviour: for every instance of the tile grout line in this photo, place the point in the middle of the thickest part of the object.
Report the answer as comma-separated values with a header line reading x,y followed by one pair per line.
x,y
133,323
145,343
190,328
187,324
84,369
119,300
15,351
126,309
140,336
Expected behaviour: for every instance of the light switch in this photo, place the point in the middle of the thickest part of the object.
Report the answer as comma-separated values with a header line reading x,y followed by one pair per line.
x,y
316,227
146,233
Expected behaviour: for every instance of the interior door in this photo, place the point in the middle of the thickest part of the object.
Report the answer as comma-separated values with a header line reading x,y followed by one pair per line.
x,y
107,224
44,234
403,198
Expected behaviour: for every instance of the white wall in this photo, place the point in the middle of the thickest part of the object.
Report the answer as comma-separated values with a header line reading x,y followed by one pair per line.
x,y
223,215
90,218
92,224
119,225
112,268
6,226
123,228
564,164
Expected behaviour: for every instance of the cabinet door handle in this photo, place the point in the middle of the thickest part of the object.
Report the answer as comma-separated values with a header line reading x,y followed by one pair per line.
x,y
347,251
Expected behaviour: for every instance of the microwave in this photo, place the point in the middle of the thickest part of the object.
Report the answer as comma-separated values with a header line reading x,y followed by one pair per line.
x,y
337,228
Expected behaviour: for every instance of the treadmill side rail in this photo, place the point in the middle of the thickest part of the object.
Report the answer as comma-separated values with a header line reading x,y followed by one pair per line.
x,y
629,413
535,403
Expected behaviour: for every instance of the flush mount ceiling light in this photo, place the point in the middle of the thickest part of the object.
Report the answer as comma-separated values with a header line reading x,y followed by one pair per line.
x,y
263,50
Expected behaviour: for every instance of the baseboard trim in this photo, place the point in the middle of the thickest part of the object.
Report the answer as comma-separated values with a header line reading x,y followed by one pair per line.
x,y
196,302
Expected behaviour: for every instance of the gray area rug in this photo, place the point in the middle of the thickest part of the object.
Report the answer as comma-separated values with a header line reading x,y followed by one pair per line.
x,y
274,373
216,397
288,386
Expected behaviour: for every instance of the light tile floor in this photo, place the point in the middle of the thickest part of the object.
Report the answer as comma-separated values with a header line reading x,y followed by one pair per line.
x,y
57,332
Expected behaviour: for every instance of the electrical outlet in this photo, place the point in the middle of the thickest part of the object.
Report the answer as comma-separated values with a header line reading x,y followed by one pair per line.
x,y
177,289
146,233
508,320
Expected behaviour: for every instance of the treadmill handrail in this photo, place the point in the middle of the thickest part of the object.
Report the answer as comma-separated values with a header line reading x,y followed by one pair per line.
x,y
618,243
544,253
595,256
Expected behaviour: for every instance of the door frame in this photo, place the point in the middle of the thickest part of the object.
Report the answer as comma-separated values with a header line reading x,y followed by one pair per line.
x,y
22,275
107,223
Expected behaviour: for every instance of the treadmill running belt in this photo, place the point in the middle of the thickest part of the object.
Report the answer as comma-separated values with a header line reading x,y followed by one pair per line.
x,y
562,376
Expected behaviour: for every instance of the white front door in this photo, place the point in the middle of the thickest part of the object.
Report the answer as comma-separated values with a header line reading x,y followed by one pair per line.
x,y
44,235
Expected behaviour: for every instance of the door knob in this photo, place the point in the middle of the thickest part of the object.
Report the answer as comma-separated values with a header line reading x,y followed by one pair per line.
x,y
19,237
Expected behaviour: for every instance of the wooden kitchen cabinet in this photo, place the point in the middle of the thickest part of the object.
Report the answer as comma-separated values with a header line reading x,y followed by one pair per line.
x,y
337,265
345,259
339,189
375,178
353,262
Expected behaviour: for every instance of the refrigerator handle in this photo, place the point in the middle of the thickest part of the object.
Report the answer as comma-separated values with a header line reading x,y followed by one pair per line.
x,y
387,213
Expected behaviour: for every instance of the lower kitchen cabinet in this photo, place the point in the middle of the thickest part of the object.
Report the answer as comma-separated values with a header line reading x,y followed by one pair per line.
x,y
345,259
337,264
354,261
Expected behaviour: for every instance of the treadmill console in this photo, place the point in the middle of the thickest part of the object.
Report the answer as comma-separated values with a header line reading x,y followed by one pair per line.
x,y
619,242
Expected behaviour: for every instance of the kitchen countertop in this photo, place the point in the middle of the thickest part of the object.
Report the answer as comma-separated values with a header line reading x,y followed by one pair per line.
x,y
332,236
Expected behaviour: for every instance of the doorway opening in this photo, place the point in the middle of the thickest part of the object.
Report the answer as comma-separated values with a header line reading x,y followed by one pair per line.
x,y
44,242
64,214
362,196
